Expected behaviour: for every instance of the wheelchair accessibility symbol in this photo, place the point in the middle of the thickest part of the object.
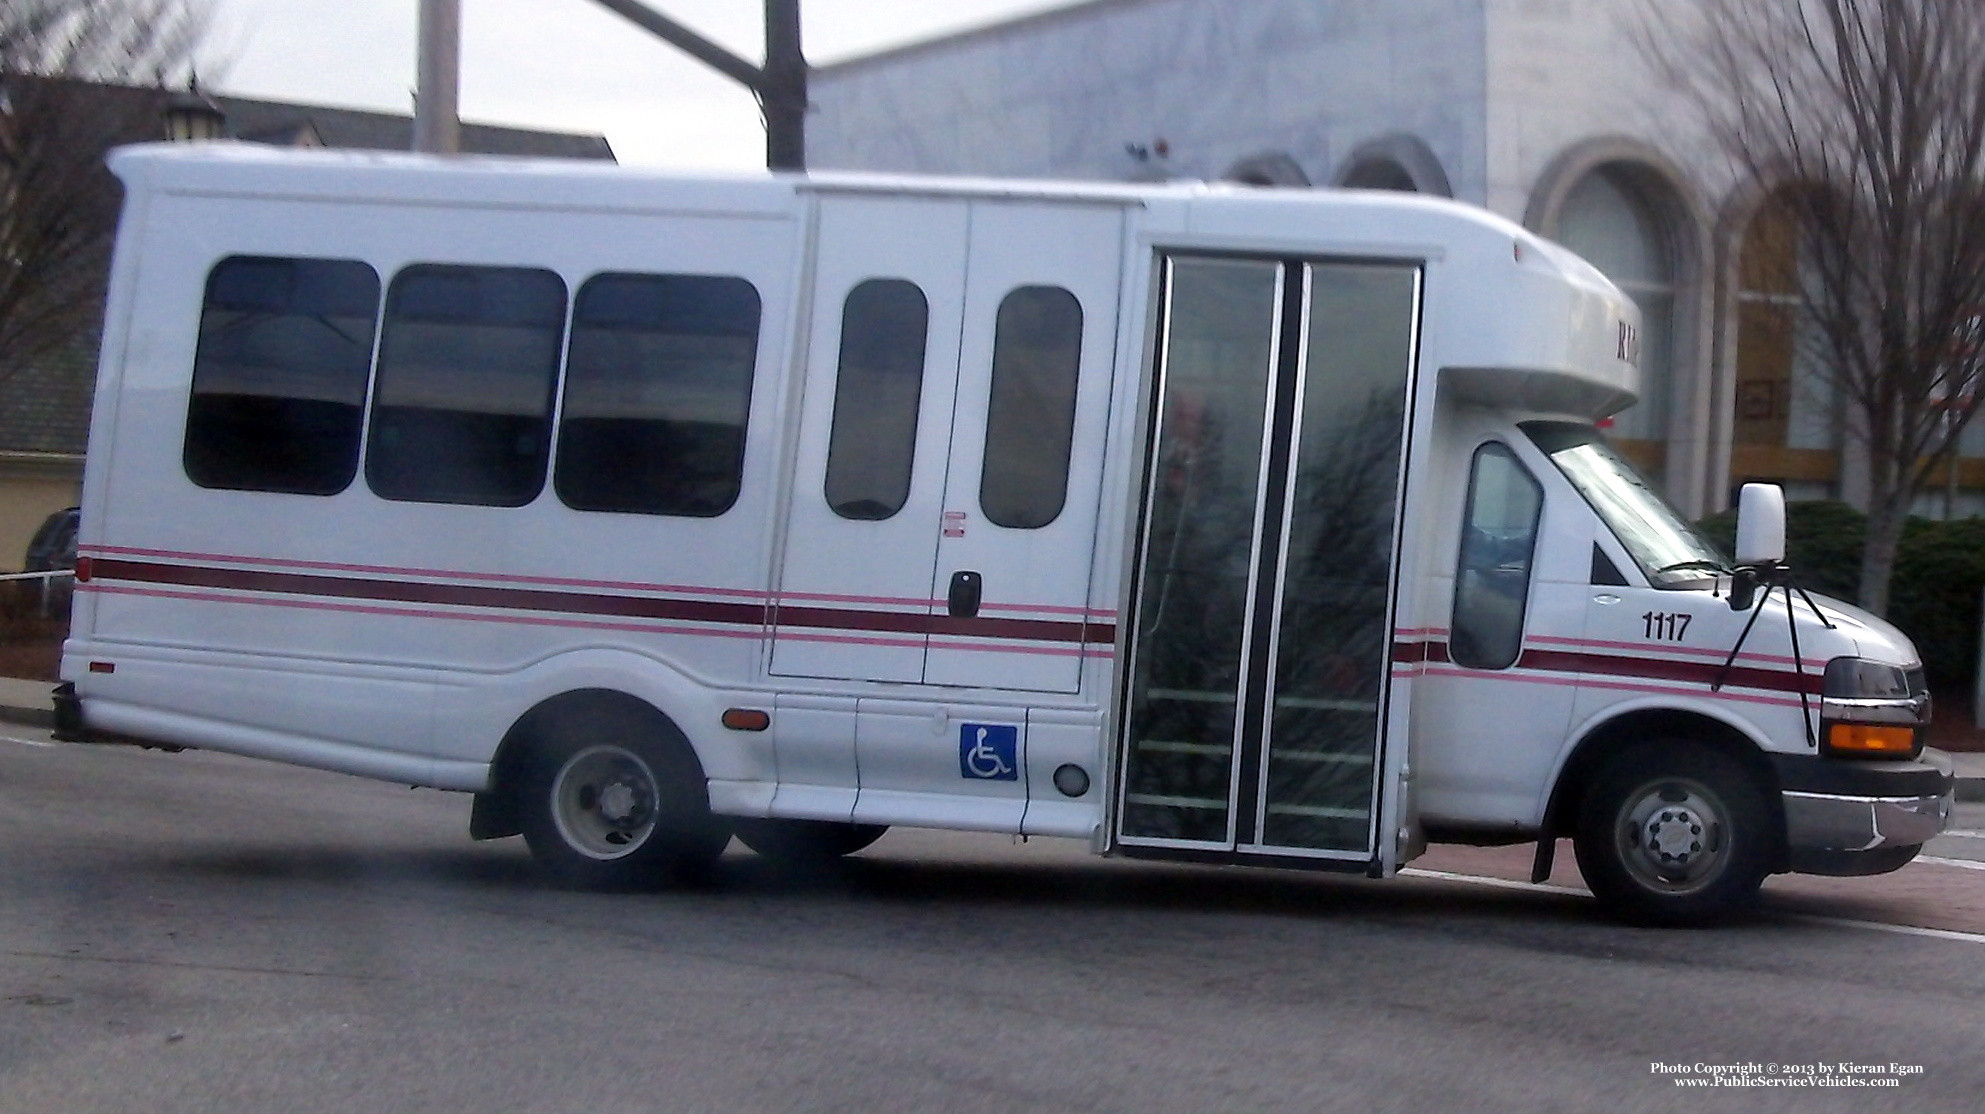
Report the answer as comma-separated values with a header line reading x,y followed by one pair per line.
x,y
989,751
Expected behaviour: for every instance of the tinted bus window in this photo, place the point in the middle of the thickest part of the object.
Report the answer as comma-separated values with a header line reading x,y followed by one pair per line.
x,y
884,326
462,410
279,375
1492,575
657,389
1030,418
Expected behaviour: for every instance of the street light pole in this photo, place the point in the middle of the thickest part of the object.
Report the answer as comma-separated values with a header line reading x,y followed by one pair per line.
x,y
780,84
437,120
782,90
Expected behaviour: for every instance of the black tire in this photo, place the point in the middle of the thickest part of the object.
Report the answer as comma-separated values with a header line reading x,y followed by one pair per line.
x,y
806,841
1674,833
613,798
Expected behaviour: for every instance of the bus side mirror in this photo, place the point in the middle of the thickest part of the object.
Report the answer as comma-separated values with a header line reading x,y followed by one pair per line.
x,y
1760,542
1761,525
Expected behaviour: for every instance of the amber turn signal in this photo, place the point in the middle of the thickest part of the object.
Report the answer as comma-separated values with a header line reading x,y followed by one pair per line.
x,y
746,719
1869,739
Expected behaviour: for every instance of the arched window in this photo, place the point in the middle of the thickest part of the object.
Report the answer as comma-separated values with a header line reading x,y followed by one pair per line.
x,y
1784,425
1270,168
1380,174
1607,219
1394,161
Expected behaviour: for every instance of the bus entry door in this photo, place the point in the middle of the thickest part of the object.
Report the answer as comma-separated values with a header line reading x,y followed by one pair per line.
x,y
1257,710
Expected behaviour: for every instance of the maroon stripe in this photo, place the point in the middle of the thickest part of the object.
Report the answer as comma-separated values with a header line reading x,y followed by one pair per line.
x,y
410,591
1412,653
1041,630
593,603
1658,669
1614,665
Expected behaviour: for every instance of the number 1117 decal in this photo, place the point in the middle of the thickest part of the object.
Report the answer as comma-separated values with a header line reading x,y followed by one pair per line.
x,y
1665,626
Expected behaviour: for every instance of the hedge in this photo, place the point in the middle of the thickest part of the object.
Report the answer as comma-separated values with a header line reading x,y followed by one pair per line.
x,y
1934,598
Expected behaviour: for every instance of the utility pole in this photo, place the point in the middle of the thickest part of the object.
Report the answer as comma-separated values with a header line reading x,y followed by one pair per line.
x,y
437,119
780,84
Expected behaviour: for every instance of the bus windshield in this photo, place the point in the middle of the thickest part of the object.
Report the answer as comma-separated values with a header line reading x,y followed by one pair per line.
x,y
1667,548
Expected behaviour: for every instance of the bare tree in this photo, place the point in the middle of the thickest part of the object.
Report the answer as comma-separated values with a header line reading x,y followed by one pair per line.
x,y
1864,122
58,204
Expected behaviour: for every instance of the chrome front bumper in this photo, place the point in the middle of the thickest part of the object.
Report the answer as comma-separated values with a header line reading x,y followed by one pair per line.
x,y
1848,818
1836,822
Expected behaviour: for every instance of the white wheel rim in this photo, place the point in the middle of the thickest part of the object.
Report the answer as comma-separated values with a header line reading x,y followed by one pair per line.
x,y
604,802
1673,836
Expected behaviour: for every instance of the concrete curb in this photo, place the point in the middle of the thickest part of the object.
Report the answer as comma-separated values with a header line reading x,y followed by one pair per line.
x,y
1970,769
27,717
28,703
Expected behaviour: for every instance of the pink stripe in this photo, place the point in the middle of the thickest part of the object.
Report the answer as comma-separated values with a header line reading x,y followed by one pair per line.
x,y
1694,651
1046,651
585,624
830,597
905,601
443,574
1047,609
858,640
421,613
1588,680
575,582
849,640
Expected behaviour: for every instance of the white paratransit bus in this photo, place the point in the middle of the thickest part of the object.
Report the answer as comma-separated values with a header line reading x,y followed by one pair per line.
x,y
1200,522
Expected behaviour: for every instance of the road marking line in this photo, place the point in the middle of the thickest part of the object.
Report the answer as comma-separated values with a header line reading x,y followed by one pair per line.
x,y
1968,864
1831,922
1498,883
1903,929
1964,834
25,742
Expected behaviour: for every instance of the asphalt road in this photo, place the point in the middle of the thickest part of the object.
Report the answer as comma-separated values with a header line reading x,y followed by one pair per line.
x,y
200,933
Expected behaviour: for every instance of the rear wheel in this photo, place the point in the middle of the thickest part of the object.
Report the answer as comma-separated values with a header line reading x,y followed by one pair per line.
x,y
613,799
1674,833
806,841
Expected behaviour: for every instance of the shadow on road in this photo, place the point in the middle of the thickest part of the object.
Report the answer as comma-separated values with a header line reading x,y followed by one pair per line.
x,y
1055,885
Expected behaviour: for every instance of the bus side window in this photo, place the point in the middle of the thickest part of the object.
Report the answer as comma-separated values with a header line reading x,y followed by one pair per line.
x,y
461,412
885,325
279,375
657,390
1492,575
1030,418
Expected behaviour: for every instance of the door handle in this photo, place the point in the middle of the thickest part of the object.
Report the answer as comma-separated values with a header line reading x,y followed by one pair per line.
x,y
967,588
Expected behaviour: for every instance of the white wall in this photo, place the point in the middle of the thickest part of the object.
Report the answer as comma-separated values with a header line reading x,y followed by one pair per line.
x,y
1516,99
1062,94
1564,72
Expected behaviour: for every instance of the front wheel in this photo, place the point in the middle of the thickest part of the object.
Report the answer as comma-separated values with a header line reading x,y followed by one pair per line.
x,y
1674,833
611,802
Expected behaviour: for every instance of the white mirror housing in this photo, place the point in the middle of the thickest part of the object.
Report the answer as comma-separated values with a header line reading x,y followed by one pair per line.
x,y
1761,525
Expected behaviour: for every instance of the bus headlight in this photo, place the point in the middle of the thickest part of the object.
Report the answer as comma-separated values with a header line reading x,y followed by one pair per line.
x,y
1871,709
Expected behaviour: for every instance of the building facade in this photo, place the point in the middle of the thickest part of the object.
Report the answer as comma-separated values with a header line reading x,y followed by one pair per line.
x,y
1543,111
